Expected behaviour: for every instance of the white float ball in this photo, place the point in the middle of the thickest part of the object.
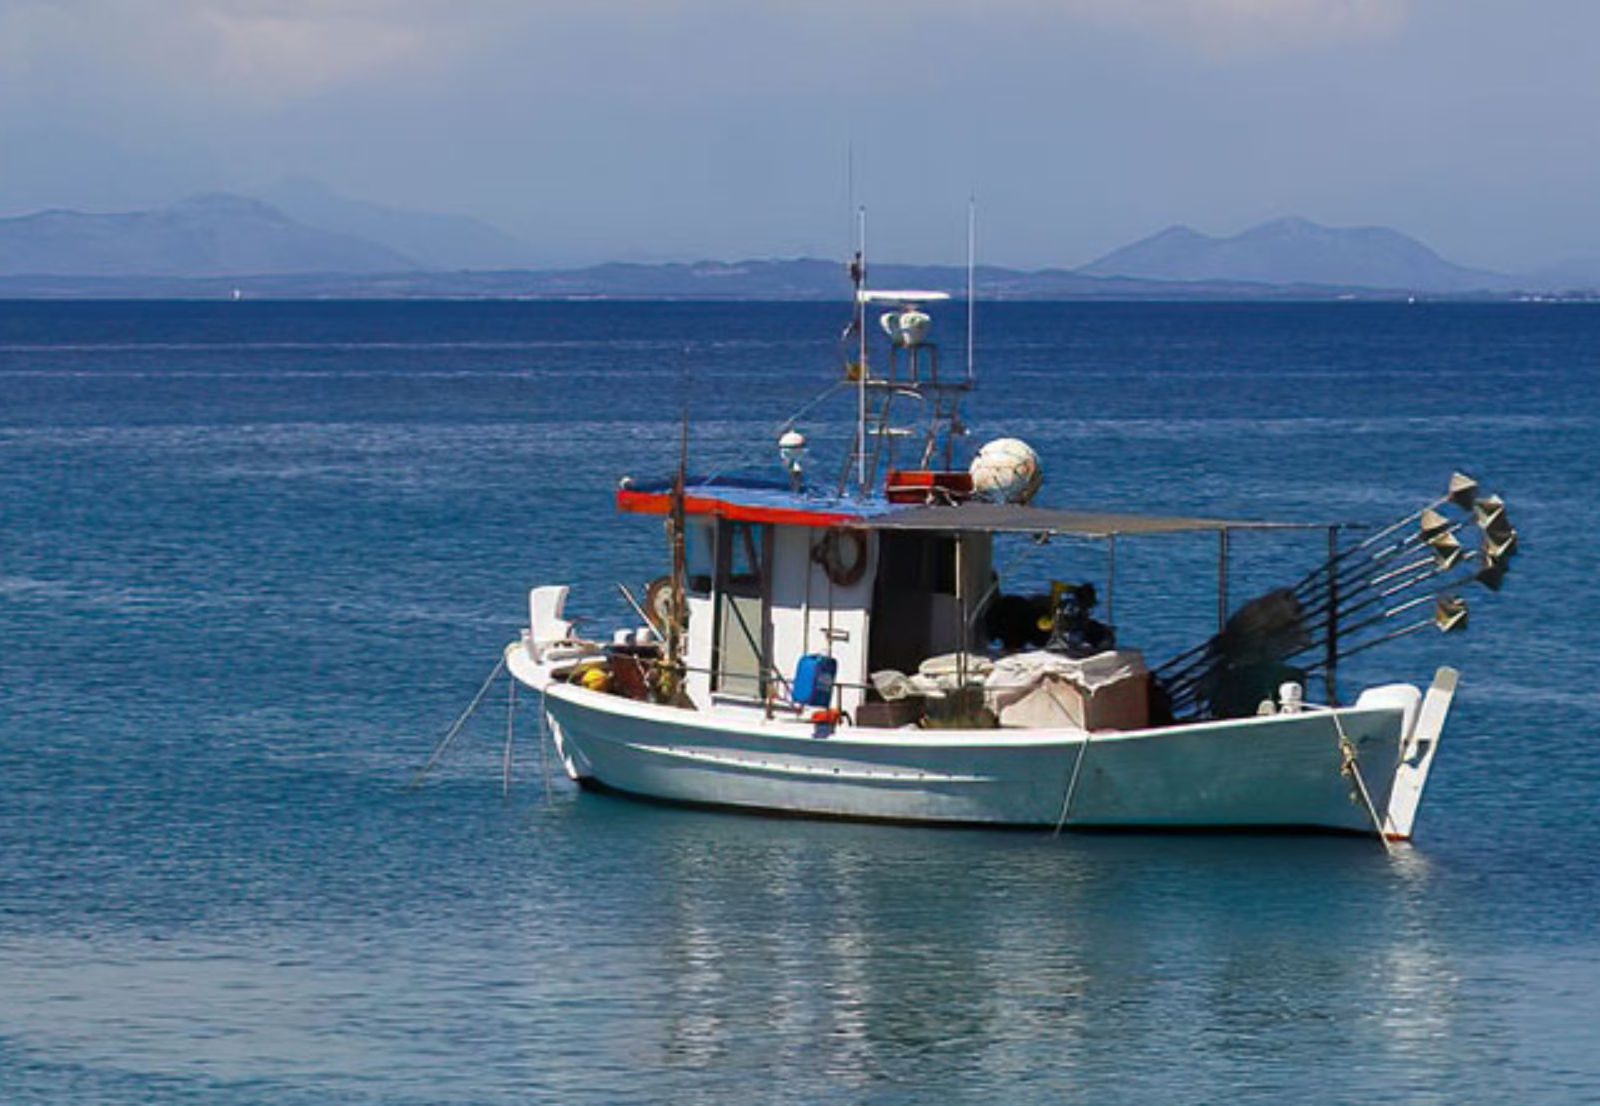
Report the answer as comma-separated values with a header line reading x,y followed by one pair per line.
x,y
1006,470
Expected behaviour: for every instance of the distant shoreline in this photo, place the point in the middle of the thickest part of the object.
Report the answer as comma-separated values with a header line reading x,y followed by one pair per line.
x,y
224,246
558,288
10,297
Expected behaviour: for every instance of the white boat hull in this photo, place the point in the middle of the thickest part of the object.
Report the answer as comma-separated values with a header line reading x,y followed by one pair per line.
x,y
1284,771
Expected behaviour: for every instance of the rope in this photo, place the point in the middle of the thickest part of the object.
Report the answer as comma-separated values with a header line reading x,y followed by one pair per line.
x,y
785,425
416,781
1351,769
544,760
511,724
1072,784
809,404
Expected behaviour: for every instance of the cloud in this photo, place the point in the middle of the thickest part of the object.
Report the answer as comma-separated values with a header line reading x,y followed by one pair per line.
x,y
291,50
275,50
236,50
1249,25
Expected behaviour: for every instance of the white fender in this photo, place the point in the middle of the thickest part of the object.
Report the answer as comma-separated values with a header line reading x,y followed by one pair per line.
x,y
1416,756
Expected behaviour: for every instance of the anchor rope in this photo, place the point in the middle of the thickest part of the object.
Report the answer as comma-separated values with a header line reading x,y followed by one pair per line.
x,y
1351,768
511,728
544,760
416,781
1072,784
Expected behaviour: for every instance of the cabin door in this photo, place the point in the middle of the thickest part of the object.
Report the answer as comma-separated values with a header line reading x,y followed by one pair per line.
x,y
743,645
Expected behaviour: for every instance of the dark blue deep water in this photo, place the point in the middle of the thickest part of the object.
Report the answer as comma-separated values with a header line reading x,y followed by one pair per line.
x,y
255,557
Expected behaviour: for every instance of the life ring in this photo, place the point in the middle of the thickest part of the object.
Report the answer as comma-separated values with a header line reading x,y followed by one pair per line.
x,y
843,569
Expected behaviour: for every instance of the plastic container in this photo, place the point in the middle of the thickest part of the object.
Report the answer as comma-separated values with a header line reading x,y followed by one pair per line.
x,y
926,486
813,680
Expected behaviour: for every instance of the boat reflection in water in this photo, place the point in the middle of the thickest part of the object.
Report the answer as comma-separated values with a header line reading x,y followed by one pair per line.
x,y
827,957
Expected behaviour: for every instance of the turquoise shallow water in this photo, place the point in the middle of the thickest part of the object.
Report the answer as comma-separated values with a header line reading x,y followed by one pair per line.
x,y
254,557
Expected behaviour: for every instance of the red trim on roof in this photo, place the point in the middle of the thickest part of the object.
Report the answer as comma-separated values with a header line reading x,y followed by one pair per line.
x,y
660,503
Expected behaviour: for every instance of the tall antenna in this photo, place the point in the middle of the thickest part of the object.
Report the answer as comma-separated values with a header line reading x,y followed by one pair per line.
x,y
972,279
850,190
861,355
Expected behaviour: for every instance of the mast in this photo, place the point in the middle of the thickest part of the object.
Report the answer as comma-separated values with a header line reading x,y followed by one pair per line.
x,y
679,616
858,272
910,370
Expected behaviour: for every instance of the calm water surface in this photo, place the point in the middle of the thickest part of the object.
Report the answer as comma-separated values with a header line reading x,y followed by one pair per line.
x,y
254,557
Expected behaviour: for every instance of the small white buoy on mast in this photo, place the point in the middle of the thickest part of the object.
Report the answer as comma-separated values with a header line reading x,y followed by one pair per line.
x,y
792,449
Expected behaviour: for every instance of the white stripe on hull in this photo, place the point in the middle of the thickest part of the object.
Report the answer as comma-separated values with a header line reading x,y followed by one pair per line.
x,y
1275,771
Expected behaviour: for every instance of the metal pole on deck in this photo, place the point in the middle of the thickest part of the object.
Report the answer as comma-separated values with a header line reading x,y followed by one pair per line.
x,y
962,639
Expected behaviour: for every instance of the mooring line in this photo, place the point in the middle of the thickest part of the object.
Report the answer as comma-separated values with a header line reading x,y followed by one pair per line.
x,y
1072,784
511,727
544,759
1351,767
438,752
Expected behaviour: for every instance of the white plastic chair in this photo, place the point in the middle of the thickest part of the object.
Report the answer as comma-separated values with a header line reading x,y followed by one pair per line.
x,y
546,626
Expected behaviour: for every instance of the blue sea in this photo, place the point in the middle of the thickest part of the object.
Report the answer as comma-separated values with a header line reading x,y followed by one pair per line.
x,y
255,557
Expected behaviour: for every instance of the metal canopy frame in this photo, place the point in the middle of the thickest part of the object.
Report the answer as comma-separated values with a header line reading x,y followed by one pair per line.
x,y
1041,522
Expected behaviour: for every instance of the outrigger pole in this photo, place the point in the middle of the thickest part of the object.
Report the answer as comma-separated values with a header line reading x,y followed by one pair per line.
x,y
1347,605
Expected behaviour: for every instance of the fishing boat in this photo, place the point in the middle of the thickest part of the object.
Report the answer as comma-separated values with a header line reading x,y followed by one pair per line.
x,y
851,649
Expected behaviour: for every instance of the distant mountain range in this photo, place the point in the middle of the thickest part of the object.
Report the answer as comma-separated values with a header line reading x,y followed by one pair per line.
x,y
310,241
216,235
430,240
1297,251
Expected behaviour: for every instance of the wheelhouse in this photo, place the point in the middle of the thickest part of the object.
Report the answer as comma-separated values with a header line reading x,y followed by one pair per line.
x,y
772,576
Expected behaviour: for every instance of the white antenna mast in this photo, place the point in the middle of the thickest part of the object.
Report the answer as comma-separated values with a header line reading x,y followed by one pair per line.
x,y
861,357
850,192
972,278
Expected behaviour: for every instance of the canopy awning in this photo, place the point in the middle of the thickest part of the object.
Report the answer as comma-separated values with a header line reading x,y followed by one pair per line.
x,y
1010,518
761,501
770,502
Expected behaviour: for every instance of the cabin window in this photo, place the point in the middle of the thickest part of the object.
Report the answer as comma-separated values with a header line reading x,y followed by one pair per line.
x,y
744,552
699,554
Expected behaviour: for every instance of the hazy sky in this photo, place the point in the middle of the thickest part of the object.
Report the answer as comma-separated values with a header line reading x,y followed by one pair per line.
x,y
652,129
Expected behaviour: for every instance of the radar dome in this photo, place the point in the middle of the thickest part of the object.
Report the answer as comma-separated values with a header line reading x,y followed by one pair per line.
x,y
1006,470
